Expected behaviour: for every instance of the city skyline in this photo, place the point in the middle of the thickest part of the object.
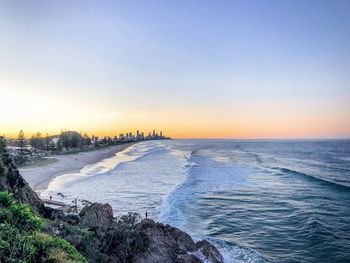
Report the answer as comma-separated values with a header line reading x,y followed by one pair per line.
x,y
194,69
117,135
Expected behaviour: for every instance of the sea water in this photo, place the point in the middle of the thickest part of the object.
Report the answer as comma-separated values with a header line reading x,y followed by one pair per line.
x,y
257,201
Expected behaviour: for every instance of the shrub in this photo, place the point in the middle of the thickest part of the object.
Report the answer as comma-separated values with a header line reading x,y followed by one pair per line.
x,y
22,246
120,242
20,216
20,240
47,244
5,199
24,217
14,245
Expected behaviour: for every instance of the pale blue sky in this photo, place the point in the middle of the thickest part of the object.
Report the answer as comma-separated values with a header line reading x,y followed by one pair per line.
x,y
168,55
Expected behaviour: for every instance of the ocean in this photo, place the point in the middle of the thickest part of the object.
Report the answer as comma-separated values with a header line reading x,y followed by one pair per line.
x,y
257,201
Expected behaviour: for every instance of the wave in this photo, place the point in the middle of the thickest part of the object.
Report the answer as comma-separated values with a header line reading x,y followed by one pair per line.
x,y
312,177
168,209
170,213
234,253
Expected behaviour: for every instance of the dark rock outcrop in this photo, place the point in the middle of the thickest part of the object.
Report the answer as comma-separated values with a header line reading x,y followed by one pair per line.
x,y
187,258
170,245
96,215
208,251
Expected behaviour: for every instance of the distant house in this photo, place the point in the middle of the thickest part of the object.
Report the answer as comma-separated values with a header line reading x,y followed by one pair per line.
x,y
54,141
15,150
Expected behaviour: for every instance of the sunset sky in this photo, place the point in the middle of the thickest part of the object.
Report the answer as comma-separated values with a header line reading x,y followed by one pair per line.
x,y
194,69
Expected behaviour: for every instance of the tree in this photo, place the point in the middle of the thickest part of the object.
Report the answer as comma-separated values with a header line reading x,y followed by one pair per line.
x,y
47,141
70,139
87,140
36,141
21,140
40,140
33,141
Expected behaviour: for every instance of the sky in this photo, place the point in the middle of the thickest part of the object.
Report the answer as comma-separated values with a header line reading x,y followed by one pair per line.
x,y
194,69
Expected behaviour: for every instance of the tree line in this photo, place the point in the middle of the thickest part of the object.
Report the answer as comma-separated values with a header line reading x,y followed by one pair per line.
x,y
67,139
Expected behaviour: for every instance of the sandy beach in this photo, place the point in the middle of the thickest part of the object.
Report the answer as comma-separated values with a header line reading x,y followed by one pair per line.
x,y
39,174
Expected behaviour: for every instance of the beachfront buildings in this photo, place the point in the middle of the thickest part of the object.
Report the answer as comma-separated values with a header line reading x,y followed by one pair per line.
x,y
139,136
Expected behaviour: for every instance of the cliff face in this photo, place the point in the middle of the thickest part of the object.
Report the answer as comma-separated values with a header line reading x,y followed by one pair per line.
x,y
13,182
102,238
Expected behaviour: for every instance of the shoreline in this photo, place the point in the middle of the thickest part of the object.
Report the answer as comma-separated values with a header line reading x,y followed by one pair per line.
x,y
39,175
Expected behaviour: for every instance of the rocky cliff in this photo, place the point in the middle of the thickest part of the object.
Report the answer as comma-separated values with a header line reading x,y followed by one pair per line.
x,y
13,182
169,244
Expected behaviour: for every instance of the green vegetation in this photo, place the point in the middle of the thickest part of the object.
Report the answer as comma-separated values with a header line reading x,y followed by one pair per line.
x,y
22,239
118,244
21,142
73,139
37,141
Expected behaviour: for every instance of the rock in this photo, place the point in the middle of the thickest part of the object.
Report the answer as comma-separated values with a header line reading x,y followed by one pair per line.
x,y
187,258
72,219
207,252
171,245
162,246
96,215
54,214
183,240
60,194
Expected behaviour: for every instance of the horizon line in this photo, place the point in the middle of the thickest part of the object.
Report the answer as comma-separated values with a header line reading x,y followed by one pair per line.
x,y
223,138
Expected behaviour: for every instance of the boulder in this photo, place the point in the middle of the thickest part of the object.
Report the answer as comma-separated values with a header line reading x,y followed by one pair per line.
x,y
171,245
187,258
96,215
162,245
207,252
183,240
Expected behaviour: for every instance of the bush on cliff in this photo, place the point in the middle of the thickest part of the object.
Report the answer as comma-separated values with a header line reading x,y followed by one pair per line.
x,y
117,241
21,239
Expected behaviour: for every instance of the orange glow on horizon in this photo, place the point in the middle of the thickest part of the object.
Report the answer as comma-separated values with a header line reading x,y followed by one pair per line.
x,y
264,121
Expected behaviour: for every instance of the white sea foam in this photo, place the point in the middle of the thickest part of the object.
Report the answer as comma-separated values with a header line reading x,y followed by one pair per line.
x,y
168,212
104,166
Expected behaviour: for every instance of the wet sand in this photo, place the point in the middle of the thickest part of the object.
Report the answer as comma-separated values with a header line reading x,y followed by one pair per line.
x,y
39,174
